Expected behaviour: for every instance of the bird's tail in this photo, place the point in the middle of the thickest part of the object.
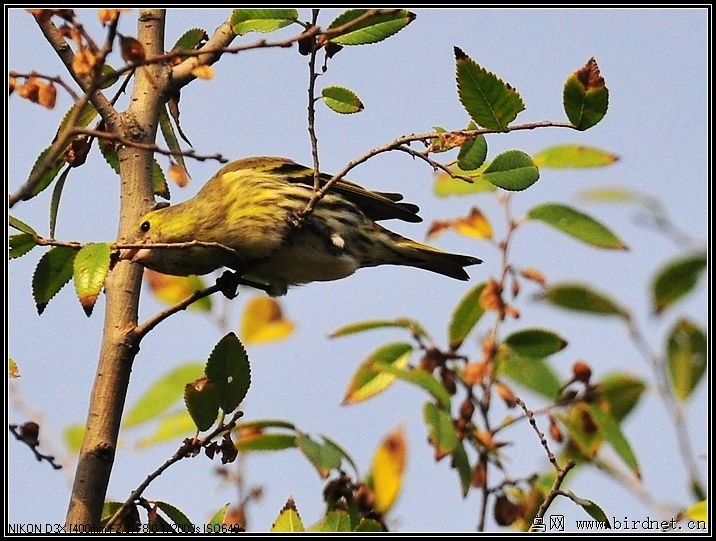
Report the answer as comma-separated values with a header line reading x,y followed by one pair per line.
x,y
415,254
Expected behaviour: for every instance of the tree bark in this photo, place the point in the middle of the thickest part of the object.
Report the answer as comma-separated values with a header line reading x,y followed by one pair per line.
x,y
119,344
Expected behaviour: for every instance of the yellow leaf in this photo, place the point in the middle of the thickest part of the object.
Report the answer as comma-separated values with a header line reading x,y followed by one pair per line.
x,y
699,512
173,289
203,72
388,467
264,322
473,225
12,370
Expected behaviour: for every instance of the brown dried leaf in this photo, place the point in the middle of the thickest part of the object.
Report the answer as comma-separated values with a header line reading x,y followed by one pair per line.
x,y
132,50
47,95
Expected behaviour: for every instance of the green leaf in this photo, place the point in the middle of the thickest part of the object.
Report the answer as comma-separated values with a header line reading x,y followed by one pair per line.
x,y
512,170
576,224
676,279
472,153
18,224
55,200
165,125
620,393
202,401
191,39
371,30
91,266
244,21
228,367
404,323
582,299
466,315
175,515
159,182
109,74
266,442
612,433
489,101
446,185
334,521
586,98
573,156
417,377
535,343
20,244
219,516
73,435
368,381
590,507
53,271
441,431
687,357
162,394
46,179
288,519
461,463
171,427
534,374
341,451
266,423
324,456
342,100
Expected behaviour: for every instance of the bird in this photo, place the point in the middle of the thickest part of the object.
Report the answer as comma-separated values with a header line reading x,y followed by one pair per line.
x,y
249,217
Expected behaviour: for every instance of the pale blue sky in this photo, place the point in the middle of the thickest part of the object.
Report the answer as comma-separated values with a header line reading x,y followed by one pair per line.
x,y
654,62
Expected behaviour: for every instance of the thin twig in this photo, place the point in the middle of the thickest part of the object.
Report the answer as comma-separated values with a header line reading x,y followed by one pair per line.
x,y
189,448
555,490
33,443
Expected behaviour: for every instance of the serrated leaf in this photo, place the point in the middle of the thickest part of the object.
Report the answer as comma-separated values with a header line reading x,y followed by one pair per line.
x,y
53,271
20,244
228,367
585,96
473,153
173,289
263,321
511,170
202,401
489,101
475,225
18,224
461,462
534,374
165,125
676,279
466,315
582,299
590,507
55,200
342,100
612,433
49,175
372,30
619,394
218,518
325,457
191,39
441,431
387,470
369,381
418,377
577,224
573,156
174,514
535,343
288,519
159,182
266,442
244,21
687,357
91,266
162,394
73,435
336,521
446,185
171,427
411,325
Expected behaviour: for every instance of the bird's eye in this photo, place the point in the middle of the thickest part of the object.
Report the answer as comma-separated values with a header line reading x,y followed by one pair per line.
x,y
145,226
